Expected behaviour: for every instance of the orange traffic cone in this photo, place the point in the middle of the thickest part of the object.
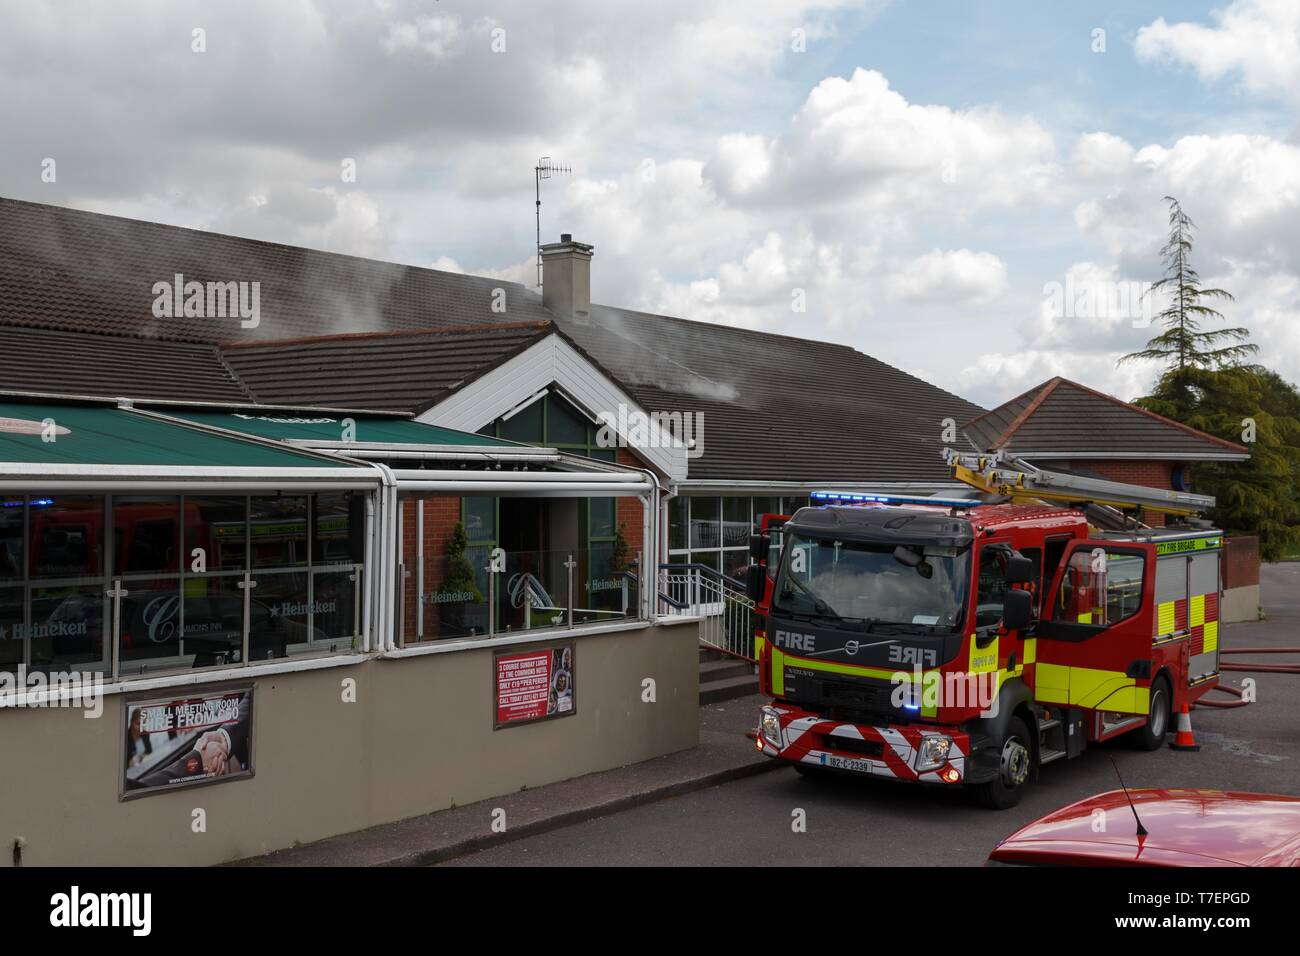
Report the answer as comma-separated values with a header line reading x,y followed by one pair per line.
x,y
1183,739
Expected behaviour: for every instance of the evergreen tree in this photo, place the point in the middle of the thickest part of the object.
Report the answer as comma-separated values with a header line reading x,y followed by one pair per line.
x,y
1207,385
460,578
460,572
618,552
1183,347
1257,408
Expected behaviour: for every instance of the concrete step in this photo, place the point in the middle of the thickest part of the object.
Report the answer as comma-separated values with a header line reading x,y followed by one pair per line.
x,y
708,653
711,671
729,689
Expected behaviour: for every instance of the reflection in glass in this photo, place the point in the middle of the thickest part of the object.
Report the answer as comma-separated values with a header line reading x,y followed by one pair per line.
x,y
278,625
146,533
734,563
67,626
11,537
218,526
705,524
735,522
334,607
602,517
525,426
765,506
150,626
66,535
564,426
214,620
333,516
278,530
481,518
11,628
677,522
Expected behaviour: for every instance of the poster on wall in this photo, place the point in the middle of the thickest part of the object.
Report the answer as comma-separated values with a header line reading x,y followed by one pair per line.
x,y
183,741
534,685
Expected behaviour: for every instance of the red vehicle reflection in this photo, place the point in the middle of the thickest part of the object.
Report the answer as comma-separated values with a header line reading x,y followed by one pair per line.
x,y
1184,828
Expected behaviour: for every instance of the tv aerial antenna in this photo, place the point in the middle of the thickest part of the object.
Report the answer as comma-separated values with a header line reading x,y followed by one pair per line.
x,y
544,169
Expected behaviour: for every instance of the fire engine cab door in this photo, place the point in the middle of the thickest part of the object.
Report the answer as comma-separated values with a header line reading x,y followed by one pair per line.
x,y
1093,640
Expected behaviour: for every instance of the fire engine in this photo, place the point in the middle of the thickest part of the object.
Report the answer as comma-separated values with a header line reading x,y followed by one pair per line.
x,y
969,641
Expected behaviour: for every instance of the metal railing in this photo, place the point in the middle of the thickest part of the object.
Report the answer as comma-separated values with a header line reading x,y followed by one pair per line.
x,y
488,592
728,612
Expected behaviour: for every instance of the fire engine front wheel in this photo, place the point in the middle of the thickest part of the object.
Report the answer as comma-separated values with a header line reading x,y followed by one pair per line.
x,y
1151,735
1015,769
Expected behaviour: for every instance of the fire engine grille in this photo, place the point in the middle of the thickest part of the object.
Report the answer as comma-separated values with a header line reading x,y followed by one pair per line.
x,y
859,696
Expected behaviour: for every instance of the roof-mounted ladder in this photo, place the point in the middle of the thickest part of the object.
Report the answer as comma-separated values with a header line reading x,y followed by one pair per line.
x,y
1019,481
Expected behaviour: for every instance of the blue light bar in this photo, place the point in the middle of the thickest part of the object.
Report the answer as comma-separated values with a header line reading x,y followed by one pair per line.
x,y
848,497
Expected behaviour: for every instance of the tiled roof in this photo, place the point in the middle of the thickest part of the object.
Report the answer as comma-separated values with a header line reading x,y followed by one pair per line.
x,y
78,363
776,408
386,370
1063,418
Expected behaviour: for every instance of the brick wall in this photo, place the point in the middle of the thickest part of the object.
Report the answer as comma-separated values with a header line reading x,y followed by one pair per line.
x,y
629,512
440,517
1240,562
1240,554
1151,474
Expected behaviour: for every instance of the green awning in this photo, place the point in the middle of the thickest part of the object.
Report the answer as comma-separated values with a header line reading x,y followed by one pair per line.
x,y
97,435
325,430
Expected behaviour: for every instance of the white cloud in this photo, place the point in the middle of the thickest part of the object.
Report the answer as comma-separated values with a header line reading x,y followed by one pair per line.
x,y
436,37
956,277
327,218
858,142
1101,156
1258,40
1242,191
840,284
995,377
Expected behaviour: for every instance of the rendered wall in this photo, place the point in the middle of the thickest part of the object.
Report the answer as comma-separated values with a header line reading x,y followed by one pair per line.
x,y
418,739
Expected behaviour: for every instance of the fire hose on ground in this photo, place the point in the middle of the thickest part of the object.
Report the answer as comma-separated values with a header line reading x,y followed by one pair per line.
x,y
1235,692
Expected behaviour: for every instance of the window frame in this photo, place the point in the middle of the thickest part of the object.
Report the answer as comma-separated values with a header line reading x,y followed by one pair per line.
x,y
111,663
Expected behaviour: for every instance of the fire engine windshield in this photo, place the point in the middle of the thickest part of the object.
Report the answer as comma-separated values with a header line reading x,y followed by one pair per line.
x,y
863,584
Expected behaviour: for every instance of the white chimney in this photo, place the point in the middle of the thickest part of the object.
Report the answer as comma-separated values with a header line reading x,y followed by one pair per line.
x,y
566,277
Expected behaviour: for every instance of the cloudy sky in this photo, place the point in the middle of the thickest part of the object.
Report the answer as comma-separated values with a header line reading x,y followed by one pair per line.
x,y
967,191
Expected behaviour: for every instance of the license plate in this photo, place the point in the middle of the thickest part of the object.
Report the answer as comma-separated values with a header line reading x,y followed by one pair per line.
x,y
846,763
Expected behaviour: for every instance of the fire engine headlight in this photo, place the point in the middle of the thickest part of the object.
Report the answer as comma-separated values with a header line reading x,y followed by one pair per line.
x,y
933,752
769,725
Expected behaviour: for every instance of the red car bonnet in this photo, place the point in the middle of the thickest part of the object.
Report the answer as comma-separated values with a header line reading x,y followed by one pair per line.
x,y
1184,828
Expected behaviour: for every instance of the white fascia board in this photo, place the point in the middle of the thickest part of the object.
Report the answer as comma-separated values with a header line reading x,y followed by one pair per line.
x,y
361,474
1134,455
723,485
470,451
490,396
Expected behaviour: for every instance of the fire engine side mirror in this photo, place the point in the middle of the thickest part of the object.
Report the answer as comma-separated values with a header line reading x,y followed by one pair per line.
x,y
1018,569
1017,610
757,548
755,582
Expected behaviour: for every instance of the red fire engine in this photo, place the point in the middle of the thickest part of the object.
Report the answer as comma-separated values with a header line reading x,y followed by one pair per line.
x,y
955,642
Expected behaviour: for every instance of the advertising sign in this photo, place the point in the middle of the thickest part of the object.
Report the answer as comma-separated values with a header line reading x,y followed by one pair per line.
x,y
189,740
534,685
